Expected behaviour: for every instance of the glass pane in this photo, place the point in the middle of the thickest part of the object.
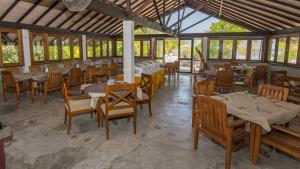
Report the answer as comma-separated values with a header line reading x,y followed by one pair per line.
x,y
90,48
197,65
281,49
110,48
76,48
185,66
256,49
146,48
38,48
293,50
53,48
137,48
197,46
241,51
185,49
227,49
10,47
214,49
66,49
171,50
97,48
159,49
119,48
104,48
271,55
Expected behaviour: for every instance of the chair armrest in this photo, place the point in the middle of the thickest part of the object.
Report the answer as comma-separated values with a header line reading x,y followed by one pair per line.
x,y
236,123
79,97
287,130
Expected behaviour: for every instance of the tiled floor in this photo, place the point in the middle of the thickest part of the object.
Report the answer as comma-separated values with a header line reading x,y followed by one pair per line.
x,y
163,141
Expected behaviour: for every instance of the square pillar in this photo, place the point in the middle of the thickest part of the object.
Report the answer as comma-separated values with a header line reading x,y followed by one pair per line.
x,y
83,45
26,50
128,51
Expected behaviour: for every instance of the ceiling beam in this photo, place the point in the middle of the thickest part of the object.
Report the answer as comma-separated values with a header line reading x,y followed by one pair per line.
x,y
56,17
45,13
9,9
36,3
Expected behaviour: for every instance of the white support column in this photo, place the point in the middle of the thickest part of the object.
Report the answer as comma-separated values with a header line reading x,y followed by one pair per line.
x,y
26,49
128,51
83,45
205,46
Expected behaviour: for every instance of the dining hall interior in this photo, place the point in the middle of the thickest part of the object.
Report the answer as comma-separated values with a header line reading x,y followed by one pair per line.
x,y
150,84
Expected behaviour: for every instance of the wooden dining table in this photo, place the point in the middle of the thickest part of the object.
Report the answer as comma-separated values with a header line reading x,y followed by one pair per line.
x,y
261,112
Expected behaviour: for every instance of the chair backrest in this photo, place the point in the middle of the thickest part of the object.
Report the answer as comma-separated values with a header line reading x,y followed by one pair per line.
x,y
35,68
90,72
120,96
275,92
74,77
261,71
227,66
277,77
205,87
224,78
54,80
146,84
103,69
170,68
53,67
113,69
212,116
66,96
67,64
13,70
7,79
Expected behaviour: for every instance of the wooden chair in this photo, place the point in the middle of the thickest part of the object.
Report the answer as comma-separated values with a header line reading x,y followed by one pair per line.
x,y
227,66
35,68
176,66
275,92
170,69
113,69
75,106
247,81
212,121
224,81
9,84
277,77
206,88
89,74
146,86
13,70
261,73
53,67
53,83
67,64
74,77
285,139
102,73
119,102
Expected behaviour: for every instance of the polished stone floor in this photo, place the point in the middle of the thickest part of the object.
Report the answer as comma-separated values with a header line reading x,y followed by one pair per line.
x,y
163,141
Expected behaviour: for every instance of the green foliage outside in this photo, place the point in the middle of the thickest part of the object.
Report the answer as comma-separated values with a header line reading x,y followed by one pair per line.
x,y
144,31
104,48
38,53
197,46
227,49
185,49
223,26
146,48
159,48
66,52
241,49
281,49
293,51
76,52
214,49
119,48
53,53
10,53
137,48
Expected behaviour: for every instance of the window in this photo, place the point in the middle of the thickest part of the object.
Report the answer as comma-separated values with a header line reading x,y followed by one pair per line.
x,y
146,48
160,50
38,51
110,48
76,47
214,49
104,48
241,50
281,49
97,48
197,46
227,49
53,47
272,47
119,48
293,50
185,49
171,50
10,47
66,48
90,48
137,48
256,50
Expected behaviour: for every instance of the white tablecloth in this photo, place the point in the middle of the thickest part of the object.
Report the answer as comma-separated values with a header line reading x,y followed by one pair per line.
x,y
260,110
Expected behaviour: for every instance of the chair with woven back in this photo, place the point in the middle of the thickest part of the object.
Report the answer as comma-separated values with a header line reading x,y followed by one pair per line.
x,y
74,77
35,68
274,92
102,73
53,67
261,73
76,105
68,64
9,84
119,102
224,81
146,87
206,88
212,120
89,74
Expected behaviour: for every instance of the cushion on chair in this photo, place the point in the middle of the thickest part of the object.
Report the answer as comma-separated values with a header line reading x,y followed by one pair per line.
x,y
119,111
78,105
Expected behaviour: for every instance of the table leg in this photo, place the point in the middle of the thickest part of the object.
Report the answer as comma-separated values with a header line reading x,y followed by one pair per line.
x,y
2,155
255,141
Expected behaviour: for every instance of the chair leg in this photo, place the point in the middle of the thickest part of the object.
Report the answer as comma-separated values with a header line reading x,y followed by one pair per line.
x,y
193,111
228,152
65,122
69,123
196,137
150,111
107,128
134,124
